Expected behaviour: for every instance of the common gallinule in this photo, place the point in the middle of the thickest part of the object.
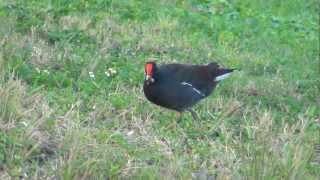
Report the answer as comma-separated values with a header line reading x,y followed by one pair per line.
x,y
180,86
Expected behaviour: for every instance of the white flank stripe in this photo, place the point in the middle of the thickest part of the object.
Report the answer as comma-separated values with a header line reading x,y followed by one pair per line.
x,y
222,77
199,92
195,89
185,83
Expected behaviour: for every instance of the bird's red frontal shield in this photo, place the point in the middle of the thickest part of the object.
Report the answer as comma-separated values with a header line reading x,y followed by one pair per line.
x,y
149,69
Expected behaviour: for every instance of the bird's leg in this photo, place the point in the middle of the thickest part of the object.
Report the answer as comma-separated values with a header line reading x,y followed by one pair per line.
x,y
194,114
179,117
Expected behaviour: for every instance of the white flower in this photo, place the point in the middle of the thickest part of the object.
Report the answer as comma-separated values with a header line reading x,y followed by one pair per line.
x,y
91,75
46,71
38,70
24,123
112,71
107,73
130,133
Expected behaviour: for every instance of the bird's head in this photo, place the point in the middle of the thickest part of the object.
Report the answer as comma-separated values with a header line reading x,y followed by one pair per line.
x,y
149,70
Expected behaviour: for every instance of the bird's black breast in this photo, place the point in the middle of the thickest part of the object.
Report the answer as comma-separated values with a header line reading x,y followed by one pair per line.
x,y
173,94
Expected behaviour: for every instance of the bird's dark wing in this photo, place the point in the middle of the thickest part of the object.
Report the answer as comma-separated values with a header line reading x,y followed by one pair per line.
x,y
202,77
191,73
199,76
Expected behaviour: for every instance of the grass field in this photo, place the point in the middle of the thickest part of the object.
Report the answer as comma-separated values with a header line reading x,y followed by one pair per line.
x,y
72,106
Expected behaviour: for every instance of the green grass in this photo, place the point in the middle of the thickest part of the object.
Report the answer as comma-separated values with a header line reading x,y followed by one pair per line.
x,y
57,122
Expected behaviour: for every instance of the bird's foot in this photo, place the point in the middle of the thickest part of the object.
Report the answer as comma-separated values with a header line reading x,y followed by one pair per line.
x,y
194,114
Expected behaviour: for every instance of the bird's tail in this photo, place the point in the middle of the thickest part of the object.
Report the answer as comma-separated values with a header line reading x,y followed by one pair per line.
x,y
219,72
224,73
